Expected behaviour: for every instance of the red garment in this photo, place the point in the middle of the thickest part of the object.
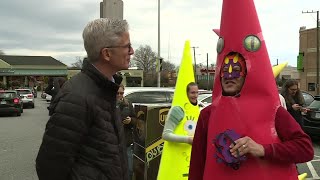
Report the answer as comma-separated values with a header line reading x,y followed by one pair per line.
x,y
294,142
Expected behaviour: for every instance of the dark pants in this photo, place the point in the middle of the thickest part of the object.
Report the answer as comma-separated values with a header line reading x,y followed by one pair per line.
x,y
130,161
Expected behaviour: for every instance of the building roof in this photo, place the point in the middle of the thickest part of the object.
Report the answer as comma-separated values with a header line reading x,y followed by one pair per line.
x,y
31,60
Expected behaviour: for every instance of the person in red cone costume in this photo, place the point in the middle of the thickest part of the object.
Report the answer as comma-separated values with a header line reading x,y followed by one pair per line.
x,y
245,133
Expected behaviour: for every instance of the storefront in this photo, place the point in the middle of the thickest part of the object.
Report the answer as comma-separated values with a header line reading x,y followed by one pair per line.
x,y
29,71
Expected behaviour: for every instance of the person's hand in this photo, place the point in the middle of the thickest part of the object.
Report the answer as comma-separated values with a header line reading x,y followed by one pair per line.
x,y
127,120
246,145
296,107
304,110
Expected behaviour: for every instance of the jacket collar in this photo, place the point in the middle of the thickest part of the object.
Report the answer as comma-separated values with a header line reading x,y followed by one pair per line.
x,y
99,78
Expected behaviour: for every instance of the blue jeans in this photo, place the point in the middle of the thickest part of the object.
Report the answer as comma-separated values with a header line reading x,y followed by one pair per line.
x,y
130,161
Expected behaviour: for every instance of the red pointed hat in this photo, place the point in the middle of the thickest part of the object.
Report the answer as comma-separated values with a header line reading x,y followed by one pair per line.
x,y
240,32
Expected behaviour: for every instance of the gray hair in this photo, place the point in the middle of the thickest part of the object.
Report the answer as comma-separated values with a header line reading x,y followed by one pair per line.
x,y
101,33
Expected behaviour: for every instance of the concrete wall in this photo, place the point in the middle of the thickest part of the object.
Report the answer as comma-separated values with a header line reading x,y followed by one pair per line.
x,y
111,9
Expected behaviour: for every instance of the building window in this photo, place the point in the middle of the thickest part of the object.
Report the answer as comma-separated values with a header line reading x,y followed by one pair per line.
x,y
311,86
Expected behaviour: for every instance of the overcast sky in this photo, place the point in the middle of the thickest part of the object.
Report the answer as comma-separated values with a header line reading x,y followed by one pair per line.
x,y
54,28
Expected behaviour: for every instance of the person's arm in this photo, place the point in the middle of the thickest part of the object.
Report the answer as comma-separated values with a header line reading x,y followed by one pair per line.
x,y
199,146
283,101
132,115
296,146
129,118
174,117
62,138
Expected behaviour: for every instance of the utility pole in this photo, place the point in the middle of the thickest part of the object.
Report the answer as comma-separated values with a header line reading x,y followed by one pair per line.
x,y
195,63
317,46
158,59
208,72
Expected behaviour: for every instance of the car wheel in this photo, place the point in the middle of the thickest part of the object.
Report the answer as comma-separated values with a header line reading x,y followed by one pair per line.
x,y
18,113
32,106
21,109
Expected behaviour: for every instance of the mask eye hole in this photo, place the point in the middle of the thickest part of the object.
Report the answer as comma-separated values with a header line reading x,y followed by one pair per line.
x,y
252,43
236,68
220,45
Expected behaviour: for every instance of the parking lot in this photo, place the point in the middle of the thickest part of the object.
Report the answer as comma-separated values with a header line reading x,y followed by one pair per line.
x,y
20,138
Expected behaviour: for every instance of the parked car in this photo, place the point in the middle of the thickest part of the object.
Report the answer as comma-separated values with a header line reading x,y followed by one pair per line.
x,y
26,96
10,102
149,95
204,99
153,95
311,119
308,98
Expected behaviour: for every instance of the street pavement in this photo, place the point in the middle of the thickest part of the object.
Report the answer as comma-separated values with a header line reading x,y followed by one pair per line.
x,y
20,139
312,167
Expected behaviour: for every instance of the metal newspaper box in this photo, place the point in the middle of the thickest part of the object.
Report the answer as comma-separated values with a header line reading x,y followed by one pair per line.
x,y
148,142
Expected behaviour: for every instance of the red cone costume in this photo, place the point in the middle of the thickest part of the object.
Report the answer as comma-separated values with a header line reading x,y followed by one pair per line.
x,y
251,113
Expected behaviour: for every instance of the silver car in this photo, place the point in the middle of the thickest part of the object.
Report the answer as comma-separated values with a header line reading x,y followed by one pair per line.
x,y
27,97
149,95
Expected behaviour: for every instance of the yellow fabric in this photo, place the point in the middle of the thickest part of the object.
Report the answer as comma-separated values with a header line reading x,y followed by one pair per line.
x,y
175,158
278,68
185,76
303,176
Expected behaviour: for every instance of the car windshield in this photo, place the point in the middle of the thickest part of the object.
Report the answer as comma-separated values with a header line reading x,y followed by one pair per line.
x,y
315,104
203,96
7,95
24,91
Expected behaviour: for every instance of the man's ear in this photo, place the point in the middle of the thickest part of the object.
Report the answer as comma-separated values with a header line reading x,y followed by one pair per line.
x,y
106,54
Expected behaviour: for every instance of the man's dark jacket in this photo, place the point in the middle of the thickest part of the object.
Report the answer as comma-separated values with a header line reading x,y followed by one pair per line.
x,y
84,137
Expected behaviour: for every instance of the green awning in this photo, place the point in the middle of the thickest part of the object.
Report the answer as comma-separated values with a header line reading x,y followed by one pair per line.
x,y
34,72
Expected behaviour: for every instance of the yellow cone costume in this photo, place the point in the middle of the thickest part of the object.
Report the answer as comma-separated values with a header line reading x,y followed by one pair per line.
x,y
176,156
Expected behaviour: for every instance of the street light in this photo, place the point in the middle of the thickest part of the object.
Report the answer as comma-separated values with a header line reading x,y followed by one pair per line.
x,y
158,58
195,63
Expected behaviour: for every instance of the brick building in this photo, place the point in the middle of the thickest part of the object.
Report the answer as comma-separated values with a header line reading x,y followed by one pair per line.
x,y
307,59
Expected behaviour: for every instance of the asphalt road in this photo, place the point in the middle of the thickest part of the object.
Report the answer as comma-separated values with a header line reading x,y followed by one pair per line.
x,y
20,138
312,167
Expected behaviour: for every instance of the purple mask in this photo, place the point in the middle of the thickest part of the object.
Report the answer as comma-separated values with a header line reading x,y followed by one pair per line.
x,y
233,67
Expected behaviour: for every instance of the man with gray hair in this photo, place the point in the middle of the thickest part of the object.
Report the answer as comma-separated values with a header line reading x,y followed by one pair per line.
x,y
84,137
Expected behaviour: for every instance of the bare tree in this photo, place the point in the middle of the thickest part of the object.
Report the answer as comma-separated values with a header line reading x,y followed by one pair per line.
x,y
78,63
168,66
144,58
1,52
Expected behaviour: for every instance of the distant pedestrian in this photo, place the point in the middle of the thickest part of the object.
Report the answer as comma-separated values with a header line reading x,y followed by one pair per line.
x,y
54,85
294,99
129,120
